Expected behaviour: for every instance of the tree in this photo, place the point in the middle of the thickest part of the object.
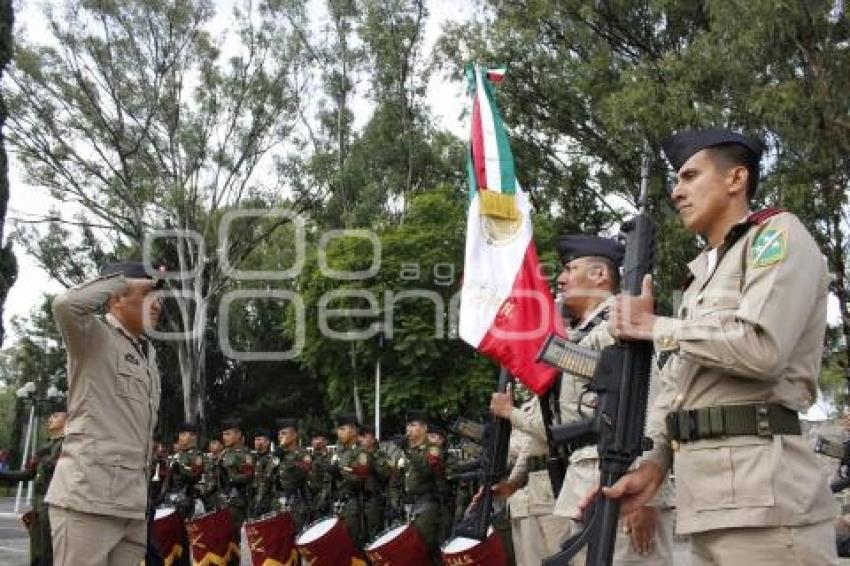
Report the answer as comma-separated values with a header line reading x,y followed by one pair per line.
x,y
139,116
8,263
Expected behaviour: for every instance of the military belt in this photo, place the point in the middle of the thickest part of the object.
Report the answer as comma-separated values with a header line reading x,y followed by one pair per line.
x,y
536,463
760,419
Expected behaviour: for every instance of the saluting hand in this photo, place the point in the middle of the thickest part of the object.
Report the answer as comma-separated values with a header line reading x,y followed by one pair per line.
x,y
633,318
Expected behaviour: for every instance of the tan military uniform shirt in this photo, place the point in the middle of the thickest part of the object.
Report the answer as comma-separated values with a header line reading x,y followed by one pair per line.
x,y
536,484
113,399
751,331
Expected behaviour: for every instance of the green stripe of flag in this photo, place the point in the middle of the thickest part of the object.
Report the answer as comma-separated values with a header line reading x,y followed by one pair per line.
x,y
506,157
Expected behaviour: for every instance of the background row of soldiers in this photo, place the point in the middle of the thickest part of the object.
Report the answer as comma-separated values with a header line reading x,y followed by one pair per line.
x,y
369,485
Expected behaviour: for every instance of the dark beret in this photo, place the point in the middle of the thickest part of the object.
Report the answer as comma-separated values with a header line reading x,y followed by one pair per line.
x,y
58,406
575,246
682,146
366,429
417,415
187,427
231,422
283,423
129,269
261,431
347,419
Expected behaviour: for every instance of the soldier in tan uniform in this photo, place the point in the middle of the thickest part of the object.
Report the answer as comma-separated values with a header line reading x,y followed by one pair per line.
x,y
586,284
744,359
536,532
98,493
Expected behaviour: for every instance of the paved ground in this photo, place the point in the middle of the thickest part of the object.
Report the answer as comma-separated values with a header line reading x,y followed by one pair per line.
x,y
14,543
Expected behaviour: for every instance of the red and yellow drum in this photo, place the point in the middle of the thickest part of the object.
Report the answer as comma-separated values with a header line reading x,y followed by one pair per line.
x,y
272,537
326,542
399,546
169,535
462,551
212,533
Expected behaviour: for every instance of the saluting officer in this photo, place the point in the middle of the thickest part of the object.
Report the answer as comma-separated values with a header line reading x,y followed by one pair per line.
x,y
744,358
40,471
98,495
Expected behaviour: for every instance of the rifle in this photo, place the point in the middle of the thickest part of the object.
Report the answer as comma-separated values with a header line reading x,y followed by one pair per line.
x,y
841,452
494,458
620,378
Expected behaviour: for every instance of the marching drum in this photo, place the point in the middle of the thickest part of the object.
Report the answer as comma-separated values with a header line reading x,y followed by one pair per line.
x,y
463,551
399,546
212,533
272,537
169,535
326,542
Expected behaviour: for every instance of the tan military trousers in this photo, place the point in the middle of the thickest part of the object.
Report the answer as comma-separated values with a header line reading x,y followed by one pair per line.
x,y
624,554
807,545
537,536
86,539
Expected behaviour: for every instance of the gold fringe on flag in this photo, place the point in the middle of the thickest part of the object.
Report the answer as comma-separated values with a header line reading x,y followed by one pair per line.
x,y
498,205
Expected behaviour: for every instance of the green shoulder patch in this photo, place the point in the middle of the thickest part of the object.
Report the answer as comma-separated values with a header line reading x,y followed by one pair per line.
x,y
769,247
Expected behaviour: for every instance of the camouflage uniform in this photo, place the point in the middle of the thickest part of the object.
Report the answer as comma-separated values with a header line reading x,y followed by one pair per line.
x,y
289,485
208,486
261,489
41,471
319,484
350,472
424,480
185,468
236,471
376,489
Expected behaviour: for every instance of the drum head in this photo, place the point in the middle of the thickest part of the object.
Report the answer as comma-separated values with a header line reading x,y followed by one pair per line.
x,y
461,544
317,530
383,539
162,512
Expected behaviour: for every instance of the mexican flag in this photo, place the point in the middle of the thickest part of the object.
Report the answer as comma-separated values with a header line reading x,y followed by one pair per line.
x,y
506,307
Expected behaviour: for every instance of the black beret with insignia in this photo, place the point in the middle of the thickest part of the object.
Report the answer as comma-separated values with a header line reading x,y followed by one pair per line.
x,y
417,415
231,422
575,246
347,419
683,145
187,427
261,431
283,423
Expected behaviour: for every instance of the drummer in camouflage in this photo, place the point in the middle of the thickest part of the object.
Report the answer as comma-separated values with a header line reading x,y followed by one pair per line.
x,y
376,483
424,479
289,478
40,471
264,463
318,480
235,473
350,471
185,468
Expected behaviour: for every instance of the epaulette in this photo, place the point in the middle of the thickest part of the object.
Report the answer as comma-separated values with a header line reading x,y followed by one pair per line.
x,y
760,216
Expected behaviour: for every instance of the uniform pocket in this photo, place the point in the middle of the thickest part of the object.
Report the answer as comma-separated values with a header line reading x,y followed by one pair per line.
x,y
725,474
131,381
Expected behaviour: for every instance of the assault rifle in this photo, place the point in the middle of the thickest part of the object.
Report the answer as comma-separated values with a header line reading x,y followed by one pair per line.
x,y
619,375
494,457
